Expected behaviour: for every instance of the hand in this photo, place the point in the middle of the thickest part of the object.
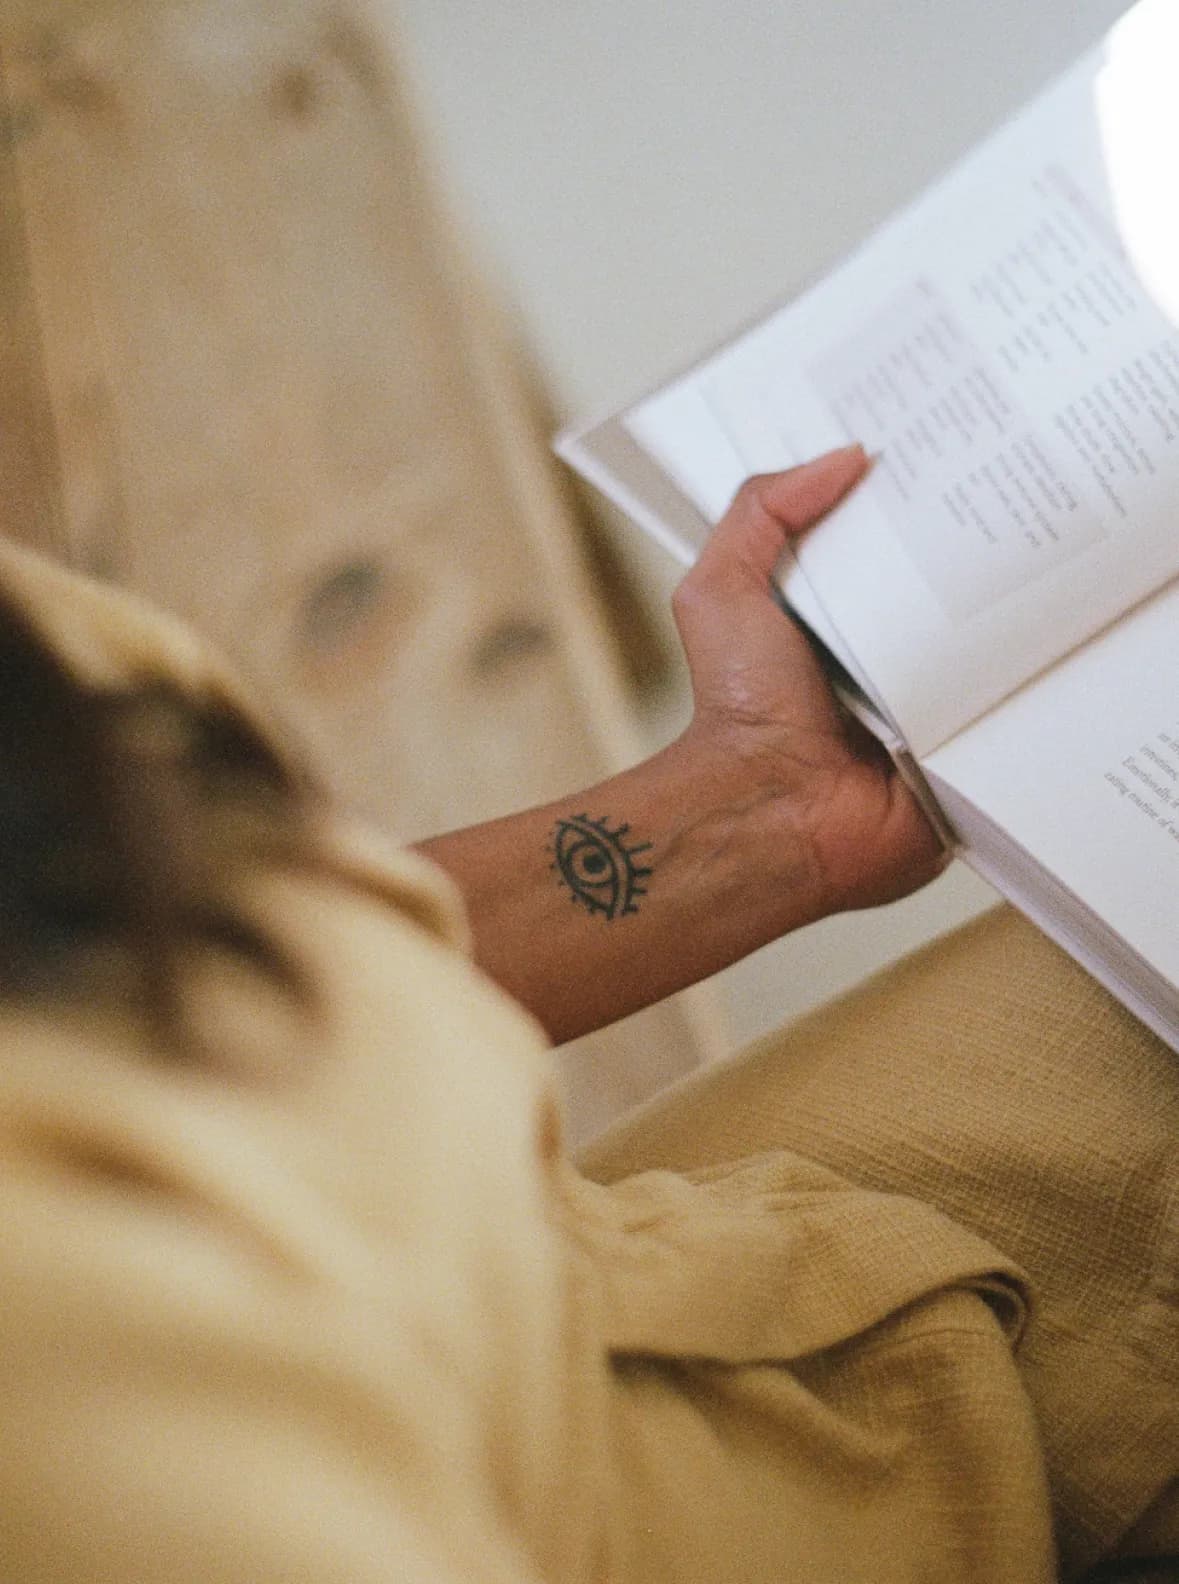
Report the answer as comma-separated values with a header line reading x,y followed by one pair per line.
x,y
761,700
770,811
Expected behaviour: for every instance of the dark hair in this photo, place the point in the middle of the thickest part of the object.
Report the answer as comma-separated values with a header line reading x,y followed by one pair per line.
x,y
123,816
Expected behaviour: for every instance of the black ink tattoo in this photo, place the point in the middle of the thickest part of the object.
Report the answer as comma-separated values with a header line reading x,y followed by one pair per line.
x,y
597,865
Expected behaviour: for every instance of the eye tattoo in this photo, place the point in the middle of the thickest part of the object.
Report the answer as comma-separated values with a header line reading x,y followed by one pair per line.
x,y
597,865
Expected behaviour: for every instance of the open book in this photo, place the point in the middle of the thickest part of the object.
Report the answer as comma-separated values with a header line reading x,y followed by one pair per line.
x,y
1002,594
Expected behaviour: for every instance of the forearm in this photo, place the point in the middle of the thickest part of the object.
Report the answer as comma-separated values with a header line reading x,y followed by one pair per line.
x,y
597,905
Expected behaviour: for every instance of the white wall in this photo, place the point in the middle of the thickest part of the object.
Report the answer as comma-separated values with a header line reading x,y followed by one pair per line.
x,y
645,177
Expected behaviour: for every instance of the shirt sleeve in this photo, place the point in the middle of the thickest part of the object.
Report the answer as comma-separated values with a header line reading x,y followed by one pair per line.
x,y
182,1405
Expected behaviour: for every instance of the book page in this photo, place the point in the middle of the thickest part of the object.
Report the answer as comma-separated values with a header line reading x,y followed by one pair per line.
x,y
1003,348
1081,770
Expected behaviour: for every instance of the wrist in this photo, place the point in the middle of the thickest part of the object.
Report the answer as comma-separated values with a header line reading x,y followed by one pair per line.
x,y
748,821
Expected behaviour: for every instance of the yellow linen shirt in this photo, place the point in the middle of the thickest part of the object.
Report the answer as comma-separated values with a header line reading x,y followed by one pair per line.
x,y
336,1308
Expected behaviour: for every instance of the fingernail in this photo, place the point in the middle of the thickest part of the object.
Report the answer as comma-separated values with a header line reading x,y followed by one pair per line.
x,y
842,454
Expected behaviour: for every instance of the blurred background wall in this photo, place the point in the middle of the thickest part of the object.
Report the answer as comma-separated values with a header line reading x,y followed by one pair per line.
x,y
647,176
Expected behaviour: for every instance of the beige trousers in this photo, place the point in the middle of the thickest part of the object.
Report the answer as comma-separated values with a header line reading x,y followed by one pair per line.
x,y
990,1076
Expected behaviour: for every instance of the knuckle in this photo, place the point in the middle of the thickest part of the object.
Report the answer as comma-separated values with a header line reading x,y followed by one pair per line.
x,y
686,596
691,603
750,497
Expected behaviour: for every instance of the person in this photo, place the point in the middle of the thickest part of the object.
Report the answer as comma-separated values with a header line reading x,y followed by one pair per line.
x,y
298,1282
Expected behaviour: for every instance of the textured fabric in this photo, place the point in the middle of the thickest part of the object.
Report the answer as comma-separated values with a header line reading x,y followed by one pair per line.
x,y
992,1078
334,1307
809,1381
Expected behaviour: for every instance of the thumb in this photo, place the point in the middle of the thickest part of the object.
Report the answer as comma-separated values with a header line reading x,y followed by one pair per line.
x,y
747,544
